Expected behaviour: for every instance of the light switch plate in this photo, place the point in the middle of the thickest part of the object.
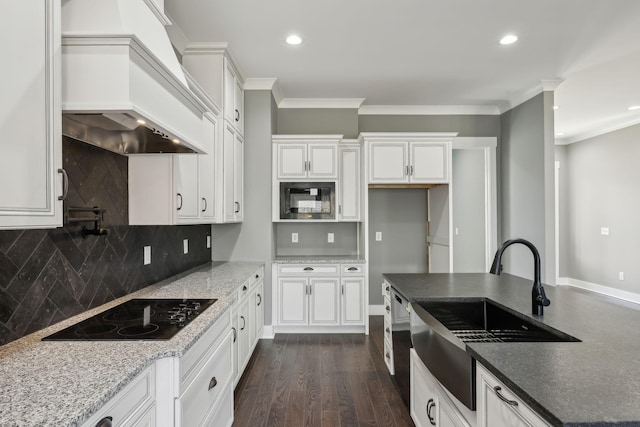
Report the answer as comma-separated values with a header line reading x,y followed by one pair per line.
x,y
208,242
621,275
185,246
147,255
330,237
604,231
378,236
294,237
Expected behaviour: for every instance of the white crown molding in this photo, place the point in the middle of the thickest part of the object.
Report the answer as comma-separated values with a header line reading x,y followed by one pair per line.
x,y
339,103
601,289
207,47
548,85
428,110
159,13
259,83
611,127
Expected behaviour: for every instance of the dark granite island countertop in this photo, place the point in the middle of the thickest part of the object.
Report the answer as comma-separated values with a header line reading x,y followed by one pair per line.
x,y
595,382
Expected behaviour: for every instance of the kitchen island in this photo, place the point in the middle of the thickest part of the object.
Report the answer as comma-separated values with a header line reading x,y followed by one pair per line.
x,y
63,383
595,382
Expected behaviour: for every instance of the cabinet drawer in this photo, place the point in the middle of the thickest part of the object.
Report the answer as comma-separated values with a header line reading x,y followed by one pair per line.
x,y
308,269
352,269
207,387
387,328
388,356
195,356
222,416
140,392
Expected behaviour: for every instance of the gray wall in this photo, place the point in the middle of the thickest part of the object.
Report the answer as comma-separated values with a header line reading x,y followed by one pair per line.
x,y
468,211
312,238
523,177
465,125
253,239
400,214
601,190
340,121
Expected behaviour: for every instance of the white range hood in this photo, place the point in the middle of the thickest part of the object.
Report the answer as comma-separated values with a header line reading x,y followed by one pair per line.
x,y
122,86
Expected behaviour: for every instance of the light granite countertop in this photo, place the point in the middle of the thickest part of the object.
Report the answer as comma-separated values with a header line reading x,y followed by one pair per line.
x,y
62,383
318,259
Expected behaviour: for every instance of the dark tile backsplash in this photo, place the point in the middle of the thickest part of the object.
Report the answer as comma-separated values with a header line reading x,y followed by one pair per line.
x,y
49,275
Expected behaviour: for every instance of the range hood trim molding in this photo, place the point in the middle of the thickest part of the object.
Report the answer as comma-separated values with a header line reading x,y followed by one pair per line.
x,y
156,71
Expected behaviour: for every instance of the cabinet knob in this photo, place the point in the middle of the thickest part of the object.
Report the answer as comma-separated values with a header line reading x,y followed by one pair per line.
x,y
212,383
244,288
105,422
504,399
387,356
387,330
388,309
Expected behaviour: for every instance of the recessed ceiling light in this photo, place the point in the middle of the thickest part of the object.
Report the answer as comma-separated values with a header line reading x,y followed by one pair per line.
x,y
141,122
509,39
634,108
294,40
559,133
176,141
555,107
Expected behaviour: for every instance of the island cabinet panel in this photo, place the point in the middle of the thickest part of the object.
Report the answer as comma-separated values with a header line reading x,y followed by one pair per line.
x,y
497,406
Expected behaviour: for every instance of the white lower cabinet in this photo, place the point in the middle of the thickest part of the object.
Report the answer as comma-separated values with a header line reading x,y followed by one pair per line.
x,y
497,406
430,403
319,295
132,405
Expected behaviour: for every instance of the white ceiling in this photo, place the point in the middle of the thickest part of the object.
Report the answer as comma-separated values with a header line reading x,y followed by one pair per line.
x,y
437,52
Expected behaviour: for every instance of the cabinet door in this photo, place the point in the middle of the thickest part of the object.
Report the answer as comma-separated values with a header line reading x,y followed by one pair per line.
x,y
352,290
423,401
292,294
259,309
244,332
324,302
238,106
388,162
30,115
349,183
429,162
238,178
323,161
229,92
186,176
229,174
235,348
206,171
292,161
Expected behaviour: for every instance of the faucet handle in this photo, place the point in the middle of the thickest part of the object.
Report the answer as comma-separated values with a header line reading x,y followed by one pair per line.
x,y
542,298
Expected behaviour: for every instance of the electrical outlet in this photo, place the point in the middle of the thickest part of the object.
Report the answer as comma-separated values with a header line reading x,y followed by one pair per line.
x,y
604,231
147,255
330,237
621,275
208,242
185,246
378,236
294,237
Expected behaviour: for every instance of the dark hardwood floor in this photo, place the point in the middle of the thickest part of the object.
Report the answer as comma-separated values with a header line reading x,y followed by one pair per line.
x,y
326,380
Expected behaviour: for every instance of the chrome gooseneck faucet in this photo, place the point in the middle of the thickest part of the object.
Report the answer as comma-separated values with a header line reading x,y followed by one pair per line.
x,y
538,298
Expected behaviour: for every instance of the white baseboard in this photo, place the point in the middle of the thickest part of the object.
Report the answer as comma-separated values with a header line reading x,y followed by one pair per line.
x,y
267,332
600,289
376,310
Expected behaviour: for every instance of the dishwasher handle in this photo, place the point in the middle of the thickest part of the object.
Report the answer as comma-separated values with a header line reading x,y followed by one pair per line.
x,y
398,298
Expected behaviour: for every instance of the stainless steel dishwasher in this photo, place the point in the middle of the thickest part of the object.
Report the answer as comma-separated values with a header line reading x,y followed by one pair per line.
x,y
401,342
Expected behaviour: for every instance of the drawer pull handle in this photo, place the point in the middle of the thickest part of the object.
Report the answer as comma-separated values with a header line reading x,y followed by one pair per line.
x,y
244,288
398,299
205,204
352,269
430,405
308,269
244,323
387,330
387,356
504,399
235,334
386,289
180,205
105,422
257,276
212,383
65,184
388,309
260,300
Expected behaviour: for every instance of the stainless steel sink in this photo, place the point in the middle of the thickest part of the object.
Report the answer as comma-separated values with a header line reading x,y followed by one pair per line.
x,y
440,331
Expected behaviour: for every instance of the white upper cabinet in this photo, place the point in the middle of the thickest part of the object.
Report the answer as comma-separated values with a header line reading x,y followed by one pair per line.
x,y
306,157
30,115
349,194
233,177
408,158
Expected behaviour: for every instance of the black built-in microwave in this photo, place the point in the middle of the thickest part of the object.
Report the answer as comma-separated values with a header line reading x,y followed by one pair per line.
x,y
307,200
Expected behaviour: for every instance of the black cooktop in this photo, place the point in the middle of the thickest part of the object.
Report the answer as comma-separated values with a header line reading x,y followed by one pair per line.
x,y
136,319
